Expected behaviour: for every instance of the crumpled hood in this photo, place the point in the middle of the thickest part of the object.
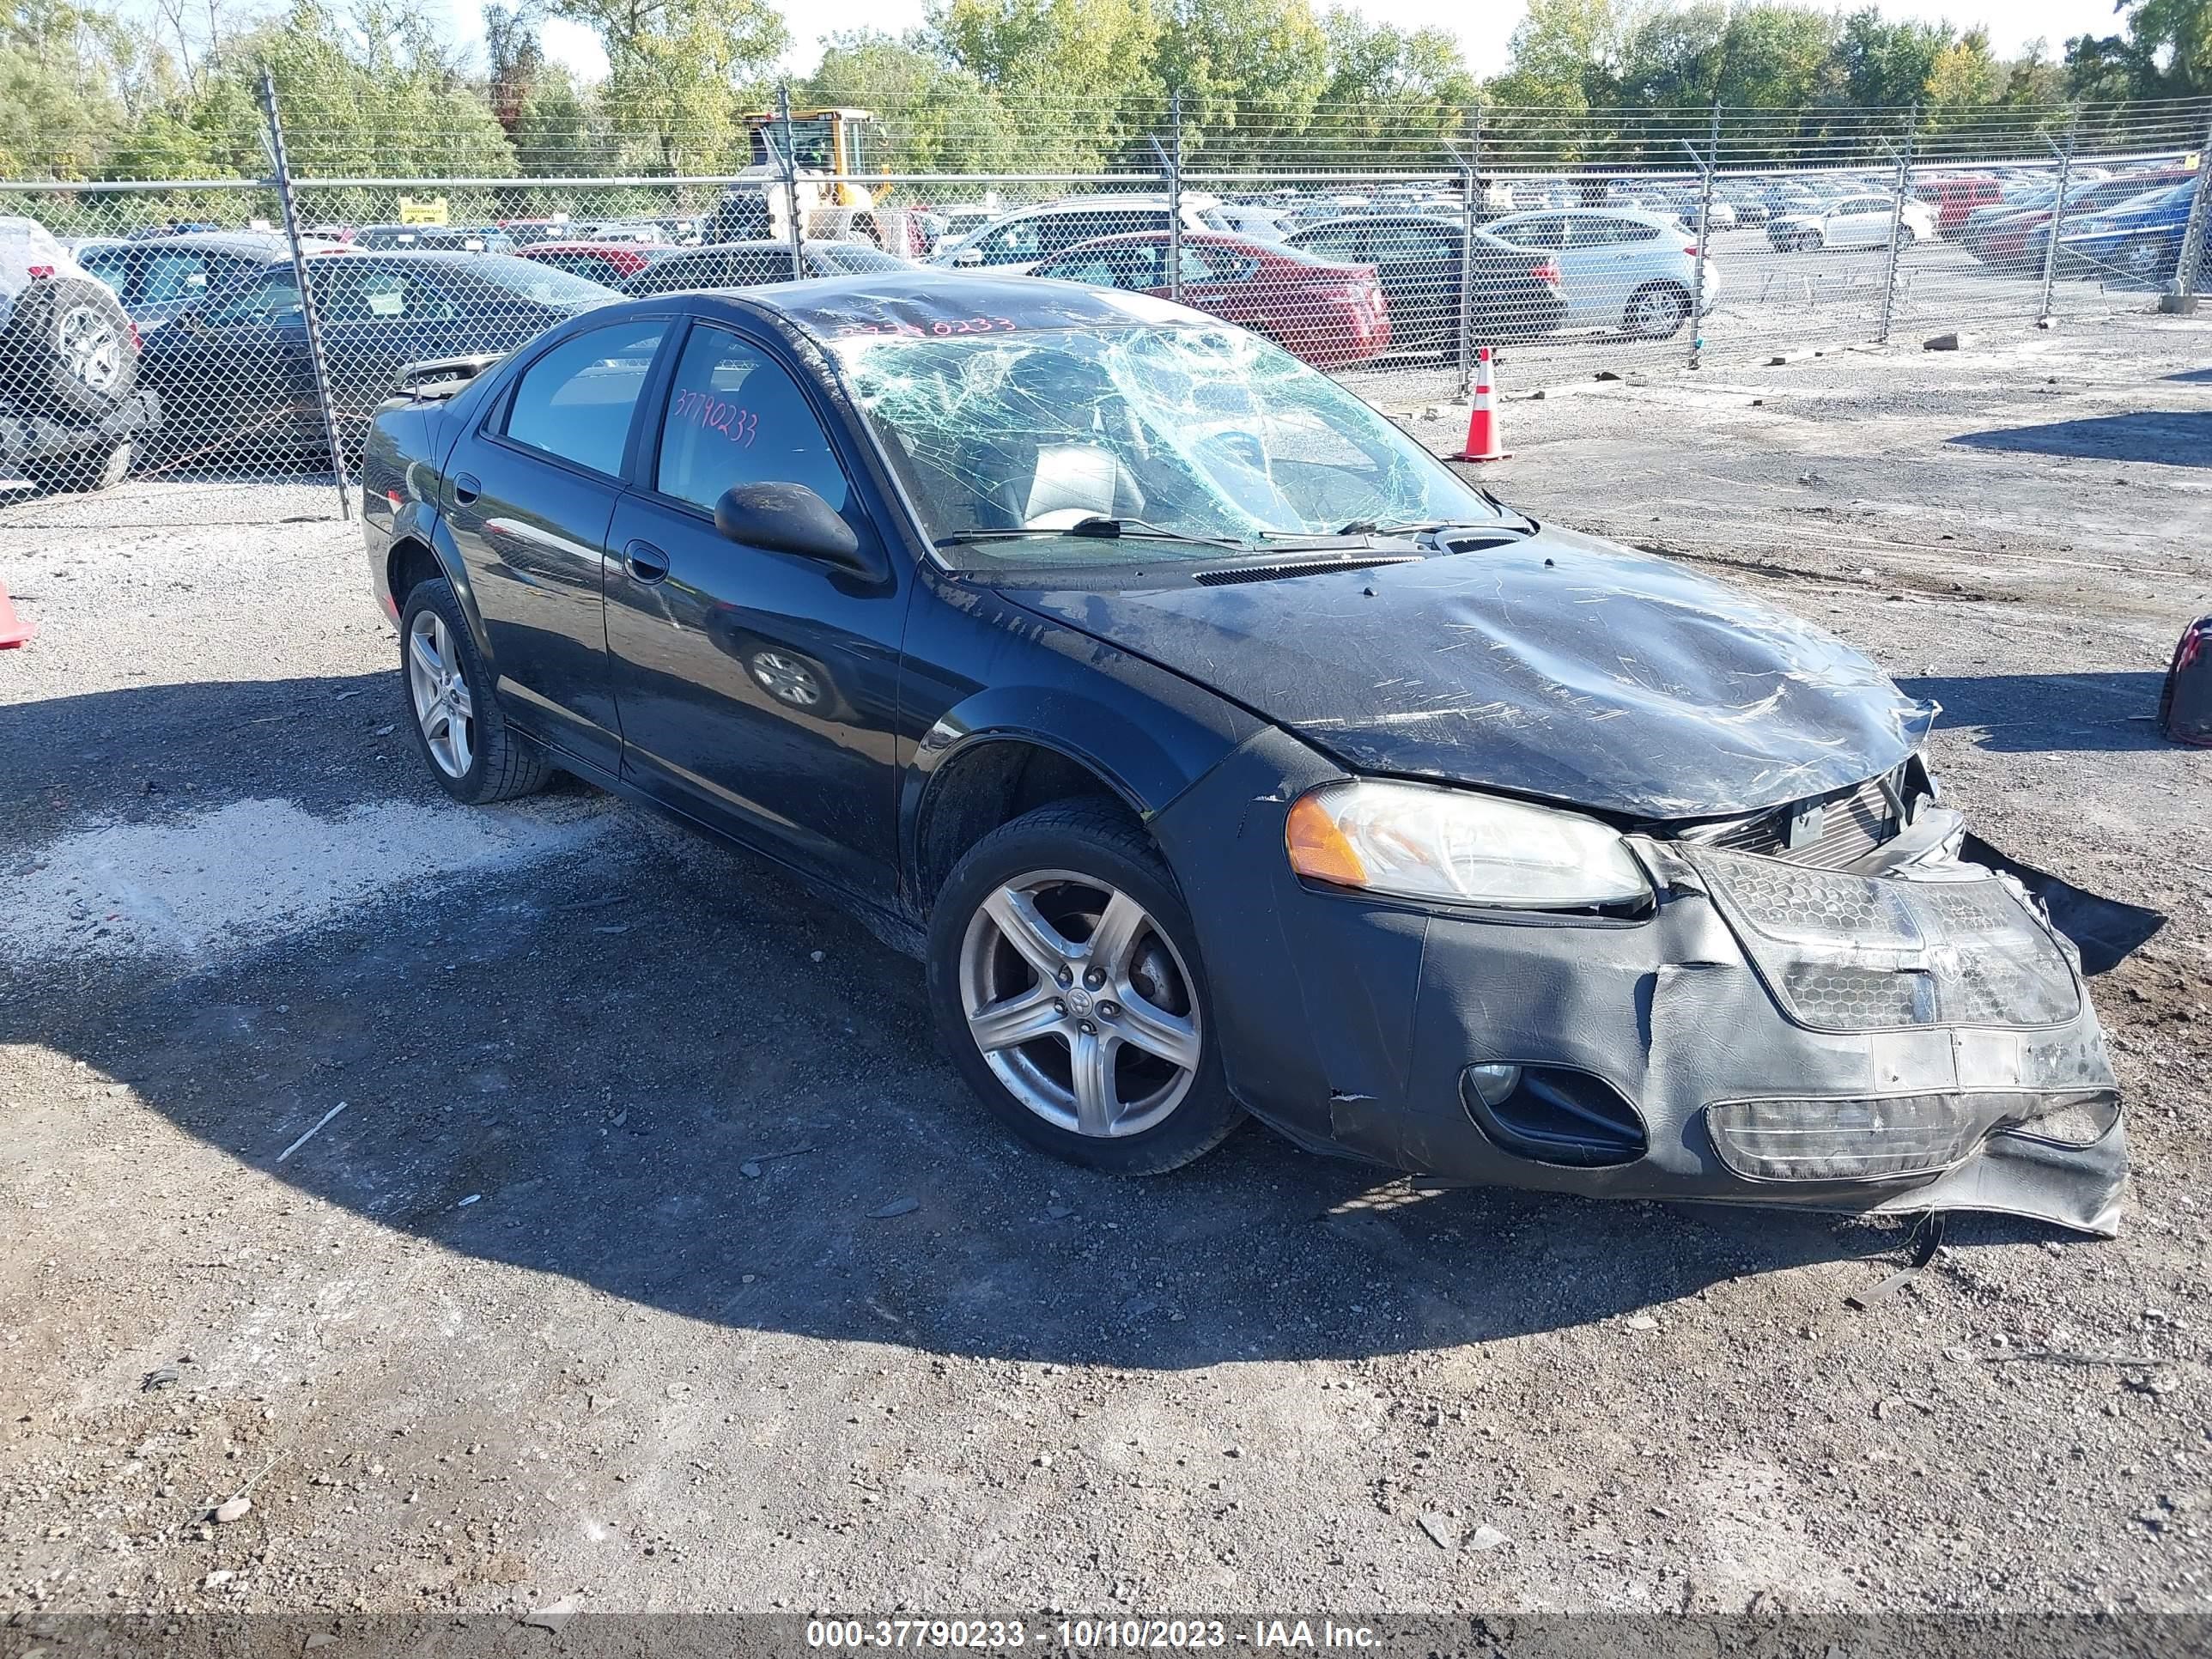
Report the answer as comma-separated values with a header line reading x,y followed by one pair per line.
x,y
1561,667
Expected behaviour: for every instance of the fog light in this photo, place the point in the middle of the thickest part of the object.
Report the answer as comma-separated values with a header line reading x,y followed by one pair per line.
x,y
1860,1140
2082,1122
1492,1083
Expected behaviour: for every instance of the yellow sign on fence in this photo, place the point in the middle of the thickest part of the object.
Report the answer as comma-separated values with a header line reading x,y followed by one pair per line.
x,y
429,212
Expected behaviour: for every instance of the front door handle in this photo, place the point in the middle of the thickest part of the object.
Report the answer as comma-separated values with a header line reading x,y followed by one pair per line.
x,y
645,562
466,488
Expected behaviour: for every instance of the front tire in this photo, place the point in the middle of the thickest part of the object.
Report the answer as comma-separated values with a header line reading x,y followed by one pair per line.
x,y
465,738
1066,980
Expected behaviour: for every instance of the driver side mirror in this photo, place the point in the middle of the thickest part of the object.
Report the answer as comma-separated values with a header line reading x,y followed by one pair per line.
x,y
789,518
968,257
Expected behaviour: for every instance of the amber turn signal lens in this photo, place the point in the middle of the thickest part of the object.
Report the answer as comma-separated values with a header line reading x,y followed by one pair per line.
x,y
1318,848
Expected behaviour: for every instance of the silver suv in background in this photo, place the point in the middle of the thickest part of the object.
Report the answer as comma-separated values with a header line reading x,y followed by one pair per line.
x,y
1023,239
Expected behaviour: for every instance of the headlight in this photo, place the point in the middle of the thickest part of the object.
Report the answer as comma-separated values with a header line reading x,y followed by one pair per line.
x,y
1420,842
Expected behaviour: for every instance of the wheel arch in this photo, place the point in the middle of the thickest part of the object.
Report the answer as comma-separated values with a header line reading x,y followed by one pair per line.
x,y
424,552
989,777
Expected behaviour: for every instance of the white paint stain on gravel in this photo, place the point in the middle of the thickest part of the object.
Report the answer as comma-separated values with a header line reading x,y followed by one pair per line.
x,y
253,871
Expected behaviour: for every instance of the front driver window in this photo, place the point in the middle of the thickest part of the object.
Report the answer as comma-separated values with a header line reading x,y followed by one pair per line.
x,y
735,417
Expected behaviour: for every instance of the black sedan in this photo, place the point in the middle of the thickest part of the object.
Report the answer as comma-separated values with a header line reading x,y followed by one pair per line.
x,y
234,371
1515,294
1222,751
748,265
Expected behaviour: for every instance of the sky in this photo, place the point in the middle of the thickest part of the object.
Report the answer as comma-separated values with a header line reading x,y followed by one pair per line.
x,y
1483,30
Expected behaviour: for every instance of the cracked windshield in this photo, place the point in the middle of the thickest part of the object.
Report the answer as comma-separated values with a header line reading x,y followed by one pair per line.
x,y
1076,439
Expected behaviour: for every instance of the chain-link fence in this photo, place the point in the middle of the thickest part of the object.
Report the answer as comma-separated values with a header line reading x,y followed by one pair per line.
x,y
167,332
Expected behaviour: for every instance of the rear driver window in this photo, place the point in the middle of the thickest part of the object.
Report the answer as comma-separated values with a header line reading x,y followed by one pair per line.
x,y
735,417
575,401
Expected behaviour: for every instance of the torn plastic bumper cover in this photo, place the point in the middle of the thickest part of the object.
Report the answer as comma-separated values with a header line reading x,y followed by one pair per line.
x,y
1909,1036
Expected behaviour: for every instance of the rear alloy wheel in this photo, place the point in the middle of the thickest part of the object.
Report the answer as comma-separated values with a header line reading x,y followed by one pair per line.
x,y
1655,311
1065,977
473,754
2142,258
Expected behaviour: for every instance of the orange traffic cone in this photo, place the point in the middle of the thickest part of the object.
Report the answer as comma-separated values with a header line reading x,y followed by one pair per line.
x,y
13,630
1483,441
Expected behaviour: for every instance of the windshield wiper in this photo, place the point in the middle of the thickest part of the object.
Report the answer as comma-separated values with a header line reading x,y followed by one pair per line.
x,y
1099,529
1431,526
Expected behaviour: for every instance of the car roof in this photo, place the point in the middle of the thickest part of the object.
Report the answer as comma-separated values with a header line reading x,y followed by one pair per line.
x,y
916,299
1634,215
269,242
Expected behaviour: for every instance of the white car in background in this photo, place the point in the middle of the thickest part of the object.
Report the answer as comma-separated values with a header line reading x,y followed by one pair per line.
x,y
1028,236
1632,272
1854,222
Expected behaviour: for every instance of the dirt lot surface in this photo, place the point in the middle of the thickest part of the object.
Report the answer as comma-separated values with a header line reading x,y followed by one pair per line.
x,y
657,1261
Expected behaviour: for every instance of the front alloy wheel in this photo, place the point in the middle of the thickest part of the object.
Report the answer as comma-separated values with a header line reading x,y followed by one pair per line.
x,y
1065,980
1078,1004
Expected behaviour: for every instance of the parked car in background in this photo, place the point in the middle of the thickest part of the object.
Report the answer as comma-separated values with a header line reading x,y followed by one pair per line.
x,y
424,238
2140,240
235,372
1854,222
1248,220
2003,240
71,415
1327,313
749,264
1747,202
156,280
1632,272
1511,293
609,262
1019,239
1956,198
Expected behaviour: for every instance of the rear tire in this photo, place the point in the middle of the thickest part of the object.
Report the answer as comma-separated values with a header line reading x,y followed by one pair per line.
x,y
464,739
1104,1057
1655,312
86,472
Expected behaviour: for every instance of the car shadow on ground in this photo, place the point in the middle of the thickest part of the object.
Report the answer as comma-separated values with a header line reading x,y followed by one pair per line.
x,y
2190,375
2170,437
2037,713
670,1072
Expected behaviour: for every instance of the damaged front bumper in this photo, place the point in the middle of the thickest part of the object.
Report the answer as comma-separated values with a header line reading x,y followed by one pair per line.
x,y
1907,1037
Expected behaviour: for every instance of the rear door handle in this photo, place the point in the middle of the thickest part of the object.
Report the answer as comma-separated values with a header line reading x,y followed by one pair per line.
x,y
466,488
645,562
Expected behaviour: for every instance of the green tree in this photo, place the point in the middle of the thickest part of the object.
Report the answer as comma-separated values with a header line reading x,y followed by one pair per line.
x,y
2165,52
1250,73
680,70
932,116
1079,78
1393,96
61,69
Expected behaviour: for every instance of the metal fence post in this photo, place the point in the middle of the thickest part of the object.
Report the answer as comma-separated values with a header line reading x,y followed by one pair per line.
x,y
792,214
1710,166
1897,223
316,364
2191,263
1175,195
1471,185
2057,217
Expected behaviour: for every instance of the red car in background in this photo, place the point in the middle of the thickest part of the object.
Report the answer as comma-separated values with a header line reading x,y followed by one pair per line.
x,y
599,262
1328,314
1954,198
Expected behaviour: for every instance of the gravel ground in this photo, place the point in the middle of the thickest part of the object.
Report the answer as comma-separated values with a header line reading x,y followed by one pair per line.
x,y
604,1284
